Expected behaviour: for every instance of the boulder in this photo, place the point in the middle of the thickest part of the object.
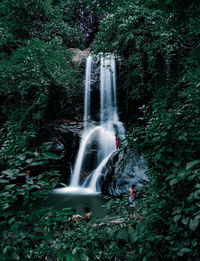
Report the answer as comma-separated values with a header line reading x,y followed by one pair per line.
x,y
123,169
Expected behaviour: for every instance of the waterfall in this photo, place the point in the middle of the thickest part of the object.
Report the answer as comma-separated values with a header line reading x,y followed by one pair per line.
x,y
88,80
93,183
98,142
87,135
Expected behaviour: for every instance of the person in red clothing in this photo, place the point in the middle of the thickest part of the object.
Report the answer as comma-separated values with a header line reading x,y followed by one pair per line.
x,y
28,173
88,215
75,217
117,142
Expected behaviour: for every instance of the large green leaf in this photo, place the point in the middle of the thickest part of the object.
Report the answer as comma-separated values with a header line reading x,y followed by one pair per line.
x,y
49,155
193,224
191,164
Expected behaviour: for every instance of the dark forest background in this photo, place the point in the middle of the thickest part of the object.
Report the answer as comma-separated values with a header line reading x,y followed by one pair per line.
x,y
158,43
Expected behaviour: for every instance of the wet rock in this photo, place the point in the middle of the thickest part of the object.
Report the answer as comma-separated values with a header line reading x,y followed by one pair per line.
x,y
64,135
123,169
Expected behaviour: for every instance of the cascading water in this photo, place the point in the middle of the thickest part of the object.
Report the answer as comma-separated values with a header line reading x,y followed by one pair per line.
x,y
99,139
87,98
87,135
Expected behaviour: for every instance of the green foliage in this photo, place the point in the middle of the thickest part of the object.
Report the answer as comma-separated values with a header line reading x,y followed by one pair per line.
x,y
116,206
12,180
152,48
157,43
36,64
170,144
31,75
37,19
38,80
53,235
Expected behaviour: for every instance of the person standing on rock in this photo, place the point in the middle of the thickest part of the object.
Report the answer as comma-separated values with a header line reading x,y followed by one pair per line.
x,y
117,142
132,196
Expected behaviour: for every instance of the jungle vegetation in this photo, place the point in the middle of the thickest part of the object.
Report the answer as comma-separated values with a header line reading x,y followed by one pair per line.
x,y
159,46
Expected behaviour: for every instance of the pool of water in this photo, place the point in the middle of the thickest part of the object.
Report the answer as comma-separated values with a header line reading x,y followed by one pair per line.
x,y
63,198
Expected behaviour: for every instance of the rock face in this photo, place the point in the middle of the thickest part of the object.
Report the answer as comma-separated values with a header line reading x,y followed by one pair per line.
x,y
64,135
123,169
78,55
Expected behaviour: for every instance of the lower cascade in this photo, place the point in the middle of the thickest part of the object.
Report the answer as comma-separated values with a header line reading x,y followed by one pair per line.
x,y
98,142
